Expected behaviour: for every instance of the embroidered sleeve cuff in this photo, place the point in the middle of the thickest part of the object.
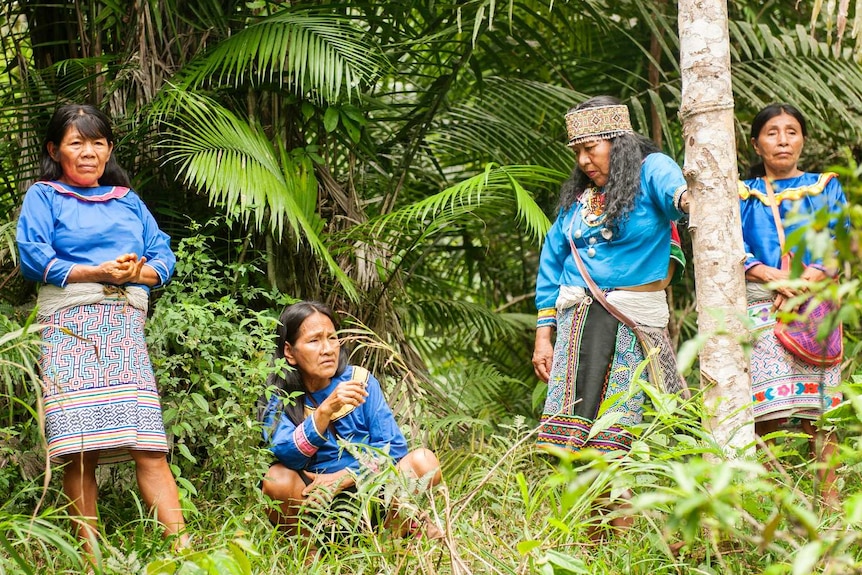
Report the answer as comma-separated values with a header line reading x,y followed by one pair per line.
x,y
547,317
304,442
317,435
57,272
829,272
750,262
677,198
48,269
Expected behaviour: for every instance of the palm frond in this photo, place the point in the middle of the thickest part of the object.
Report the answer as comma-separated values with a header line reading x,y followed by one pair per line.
x,y
441,316
496,184
7,243
316,54
509,122
789,65
239,168
471,347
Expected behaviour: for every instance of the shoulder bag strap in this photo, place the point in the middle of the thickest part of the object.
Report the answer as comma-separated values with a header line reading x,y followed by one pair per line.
x,y
599,296
779,227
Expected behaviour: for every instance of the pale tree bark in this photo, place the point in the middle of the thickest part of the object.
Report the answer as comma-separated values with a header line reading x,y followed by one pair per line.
x,y
706,111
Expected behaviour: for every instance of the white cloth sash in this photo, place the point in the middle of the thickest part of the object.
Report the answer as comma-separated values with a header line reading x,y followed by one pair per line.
x,y
758,292
53,298
647,308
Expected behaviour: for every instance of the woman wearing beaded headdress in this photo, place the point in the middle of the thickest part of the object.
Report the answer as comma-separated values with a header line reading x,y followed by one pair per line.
x,y
615,225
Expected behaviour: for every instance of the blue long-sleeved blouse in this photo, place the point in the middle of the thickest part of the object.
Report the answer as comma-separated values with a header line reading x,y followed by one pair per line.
x,y
637,254
803,196
61,226
306,447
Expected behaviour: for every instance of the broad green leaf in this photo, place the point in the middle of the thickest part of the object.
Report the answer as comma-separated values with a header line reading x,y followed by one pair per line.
x,y
330,119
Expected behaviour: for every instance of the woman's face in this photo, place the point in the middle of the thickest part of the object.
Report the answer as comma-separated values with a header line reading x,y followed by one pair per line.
x,y
81,159
315,351
779,145
594,159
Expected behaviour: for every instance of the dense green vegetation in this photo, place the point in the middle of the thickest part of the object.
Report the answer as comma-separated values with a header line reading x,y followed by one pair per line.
x,y
400,161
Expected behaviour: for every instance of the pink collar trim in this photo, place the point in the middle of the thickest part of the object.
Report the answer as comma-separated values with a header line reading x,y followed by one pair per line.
x,y
112,194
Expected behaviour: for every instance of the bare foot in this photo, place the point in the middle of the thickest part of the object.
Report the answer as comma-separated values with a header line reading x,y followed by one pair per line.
x,y
431,530
424,526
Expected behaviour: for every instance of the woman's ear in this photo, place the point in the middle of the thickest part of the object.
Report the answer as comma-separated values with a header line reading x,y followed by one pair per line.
x,y
52,150
288,354
755,146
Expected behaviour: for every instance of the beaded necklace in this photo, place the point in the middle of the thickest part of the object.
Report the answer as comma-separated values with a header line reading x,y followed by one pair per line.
x,y
593,214
593,208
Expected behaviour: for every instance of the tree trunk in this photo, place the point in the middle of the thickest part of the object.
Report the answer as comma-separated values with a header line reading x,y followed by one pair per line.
x,y
706,110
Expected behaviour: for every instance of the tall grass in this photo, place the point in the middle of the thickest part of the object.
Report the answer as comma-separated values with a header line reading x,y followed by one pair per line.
x,y
506,507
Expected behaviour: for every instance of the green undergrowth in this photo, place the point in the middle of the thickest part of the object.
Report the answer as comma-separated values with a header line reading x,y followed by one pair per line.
x,y
506,507
510,510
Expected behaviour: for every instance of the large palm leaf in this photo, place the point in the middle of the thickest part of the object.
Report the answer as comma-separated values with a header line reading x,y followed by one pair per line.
x,y
238,165
789,65
496,124
315,54
496,185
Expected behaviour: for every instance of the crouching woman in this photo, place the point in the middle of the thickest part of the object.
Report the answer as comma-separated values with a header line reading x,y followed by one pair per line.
x,y
320,401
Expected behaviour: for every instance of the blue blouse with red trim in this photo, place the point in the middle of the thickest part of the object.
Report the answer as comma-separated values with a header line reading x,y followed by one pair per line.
x,y
61,226
317,450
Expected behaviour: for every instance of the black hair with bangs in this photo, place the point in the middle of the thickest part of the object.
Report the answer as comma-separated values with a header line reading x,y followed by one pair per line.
x,y
92,124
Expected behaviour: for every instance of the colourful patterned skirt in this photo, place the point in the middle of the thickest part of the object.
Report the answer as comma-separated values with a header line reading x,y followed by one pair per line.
x,y
595,357
783,386
98,384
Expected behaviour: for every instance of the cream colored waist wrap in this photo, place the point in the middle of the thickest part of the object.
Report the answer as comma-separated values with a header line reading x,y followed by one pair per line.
x,y
647,308
758,291
52,298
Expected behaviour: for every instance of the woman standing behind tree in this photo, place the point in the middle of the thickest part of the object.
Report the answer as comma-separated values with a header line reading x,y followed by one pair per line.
x,y
784,386
97,251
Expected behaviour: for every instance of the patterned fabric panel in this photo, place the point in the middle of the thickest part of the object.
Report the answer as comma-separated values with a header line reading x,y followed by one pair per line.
x,y
627,356
104,419
567,418
99,388
782,385
672,381
573,433
95,346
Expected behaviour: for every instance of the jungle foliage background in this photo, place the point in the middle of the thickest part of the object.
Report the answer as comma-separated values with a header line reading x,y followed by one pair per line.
x,y
400,161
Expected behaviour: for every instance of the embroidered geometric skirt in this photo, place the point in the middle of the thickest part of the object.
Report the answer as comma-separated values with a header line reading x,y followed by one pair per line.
x,y
98,384
595,357
783,386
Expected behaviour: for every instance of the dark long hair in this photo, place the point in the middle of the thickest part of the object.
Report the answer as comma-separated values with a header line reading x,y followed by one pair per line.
x,y
758,170
289,381
92,124
627,154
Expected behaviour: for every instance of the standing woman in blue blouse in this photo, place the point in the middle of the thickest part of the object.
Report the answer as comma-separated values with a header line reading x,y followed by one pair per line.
x,y
784,387
616,211
97,251
318,402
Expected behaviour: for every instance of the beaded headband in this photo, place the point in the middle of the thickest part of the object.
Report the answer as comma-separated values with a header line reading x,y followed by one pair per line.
x,y
600,123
